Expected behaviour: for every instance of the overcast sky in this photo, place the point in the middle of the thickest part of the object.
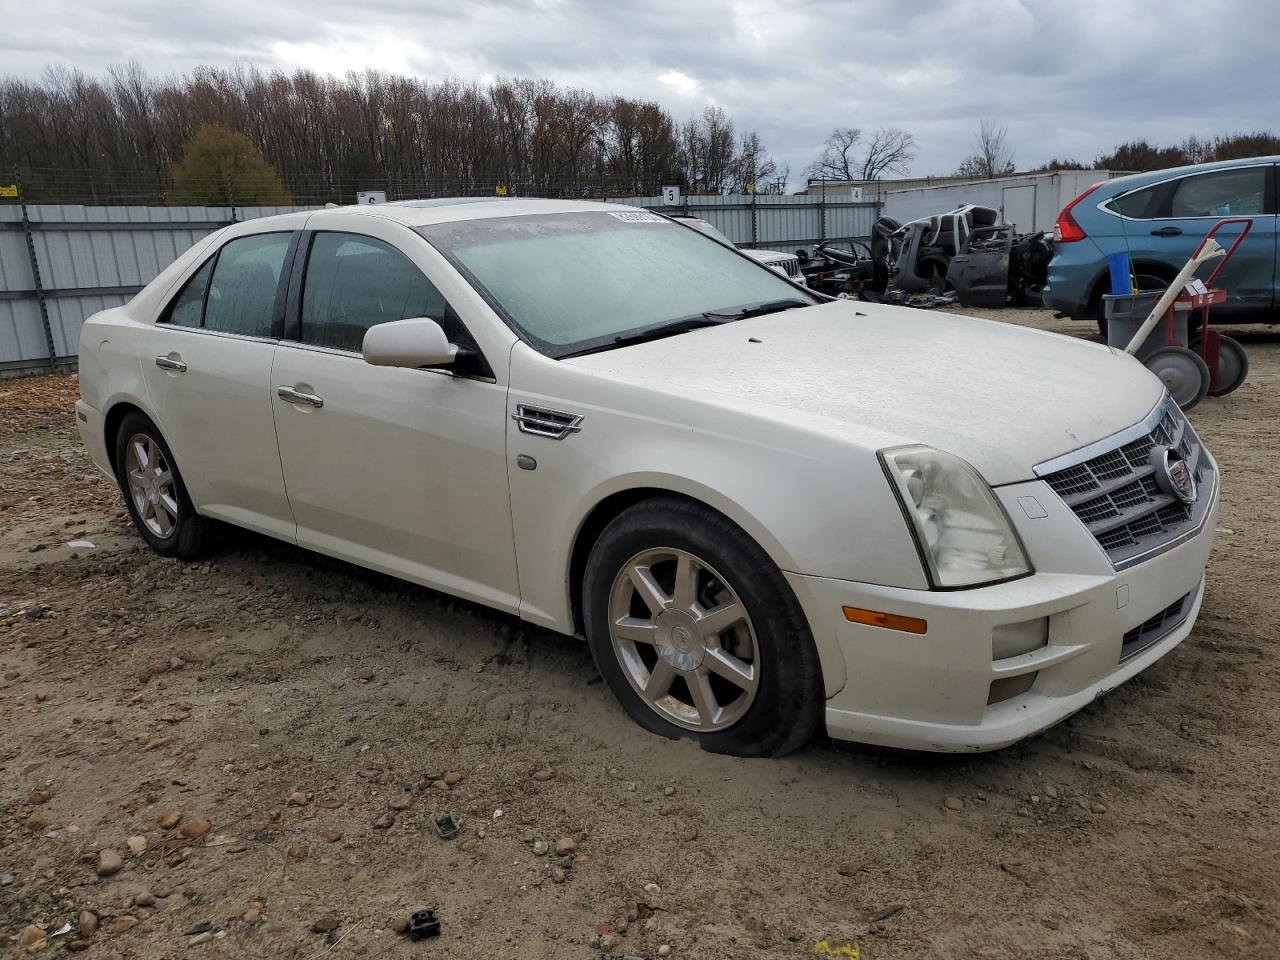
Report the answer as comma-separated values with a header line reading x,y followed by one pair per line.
x,y
1070,77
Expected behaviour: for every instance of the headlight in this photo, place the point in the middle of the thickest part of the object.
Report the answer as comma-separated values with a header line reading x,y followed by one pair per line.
x,y
964,535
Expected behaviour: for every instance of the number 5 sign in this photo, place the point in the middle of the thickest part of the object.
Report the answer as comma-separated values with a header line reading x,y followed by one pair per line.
x,y
671,196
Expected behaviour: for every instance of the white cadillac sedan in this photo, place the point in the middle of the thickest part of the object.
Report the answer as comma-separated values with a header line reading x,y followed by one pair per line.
x,y
765,512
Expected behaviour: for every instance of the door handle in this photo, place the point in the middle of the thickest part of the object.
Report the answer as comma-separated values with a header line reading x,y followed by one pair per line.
x,y
1167,232
295,396
168,363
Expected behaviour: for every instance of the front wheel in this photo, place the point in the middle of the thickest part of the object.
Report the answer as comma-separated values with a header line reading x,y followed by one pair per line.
x,y
697,632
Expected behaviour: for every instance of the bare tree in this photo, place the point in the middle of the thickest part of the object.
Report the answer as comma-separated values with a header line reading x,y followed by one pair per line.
x,y
753,168
847,156
838,160
993,157
890,150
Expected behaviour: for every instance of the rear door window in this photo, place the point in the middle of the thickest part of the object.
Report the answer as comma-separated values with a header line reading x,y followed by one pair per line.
x,y
354,282
245,282
1224,193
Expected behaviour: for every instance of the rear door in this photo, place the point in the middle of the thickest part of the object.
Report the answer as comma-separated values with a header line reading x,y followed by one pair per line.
x,y
1165,222
207,366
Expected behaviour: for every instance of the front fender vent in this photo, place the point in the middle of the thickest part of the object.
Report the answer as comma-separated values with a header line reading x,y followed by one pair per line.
x,y
544,422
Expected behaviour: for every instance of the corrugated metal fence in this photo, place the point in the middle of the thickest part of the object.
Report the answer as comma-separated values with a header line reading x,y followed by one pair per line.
x,y
61,263
775,222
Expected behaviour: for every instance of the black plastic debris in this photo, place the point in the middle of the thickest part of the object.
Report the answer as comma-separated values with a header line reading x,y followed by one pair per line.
x,y
447,826
423,924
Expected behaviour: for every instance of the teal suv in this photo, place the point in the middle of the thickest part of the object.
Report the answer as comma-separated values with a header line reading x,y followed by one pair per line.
x,y
1158,218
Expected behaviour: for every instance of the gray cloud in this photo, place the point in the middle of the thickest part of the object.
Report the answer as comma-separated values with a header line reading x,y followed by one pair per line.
x,y
1070,79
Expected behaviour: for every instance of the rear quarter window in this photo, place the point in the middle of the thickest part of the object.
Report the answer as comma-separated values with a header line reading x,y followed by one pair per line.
x,y
1139,204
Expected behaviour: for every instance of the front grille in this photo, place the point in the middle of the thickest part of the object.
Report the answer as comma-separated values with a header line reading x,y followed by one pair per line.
x,y
1114,490
1156,628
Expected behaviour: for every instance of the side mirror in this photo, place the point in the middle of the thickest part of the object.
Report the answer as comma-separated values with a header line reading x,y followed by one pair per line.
x,y
408,343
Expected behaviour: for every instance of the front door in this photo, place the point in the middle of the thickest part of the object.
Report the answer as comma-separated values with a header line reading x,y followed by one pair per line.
x,y
207,367
400,470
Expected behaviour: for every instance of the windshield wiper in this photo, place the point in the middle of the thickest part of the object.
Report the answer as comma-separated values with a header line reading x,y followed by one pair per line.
x,y
755,309
668,329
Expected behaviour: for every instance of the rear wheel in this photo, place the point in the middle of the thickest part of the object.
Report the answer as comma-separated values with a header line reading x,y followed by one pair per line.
x,y
1233,366
1184,373
697,632
154,493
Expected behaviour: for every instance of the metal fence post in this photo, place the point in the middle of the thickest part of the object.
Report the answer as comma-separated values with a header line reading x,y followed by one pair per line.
x,y
822,214
35,275
755,224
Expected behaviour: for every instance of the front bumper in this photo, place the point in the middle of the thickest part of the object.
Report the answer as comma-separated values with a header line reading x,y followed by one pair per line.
x,y
931,691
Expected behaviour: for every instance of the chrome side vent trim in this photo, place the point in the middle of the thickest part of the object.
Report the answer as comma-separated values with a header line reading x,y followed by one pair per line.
x,y
543,422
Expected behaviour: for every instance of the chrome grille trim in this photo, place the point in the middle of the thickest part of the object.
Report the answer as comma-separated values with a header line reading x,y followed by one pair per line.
x,y
544,422
1110,486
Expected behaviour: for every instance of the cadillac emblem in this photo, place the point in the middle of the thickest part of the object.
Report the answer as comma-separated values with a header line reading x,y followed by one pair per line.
x,y
1172,474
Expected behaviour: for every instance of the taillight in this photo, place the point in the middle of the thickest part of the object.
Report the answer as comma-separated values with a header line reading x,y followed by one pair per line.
x,y
1066,230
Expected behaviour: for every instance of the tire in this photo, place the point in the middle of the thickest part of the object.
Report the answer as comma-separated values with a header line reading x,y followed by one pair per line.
x,y
733,583
1233,366
161,509
1184,373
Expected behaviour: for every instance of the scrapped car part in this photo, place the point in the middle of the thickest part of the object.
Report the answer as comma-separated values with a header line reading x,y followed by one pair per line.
x,y
966,250
423,924
980,275
447,826
927,245
838,267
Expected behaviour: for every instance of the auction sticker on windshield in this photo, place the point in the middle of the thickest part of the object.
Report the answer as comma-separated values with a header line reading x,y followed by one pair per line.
x,y
638,216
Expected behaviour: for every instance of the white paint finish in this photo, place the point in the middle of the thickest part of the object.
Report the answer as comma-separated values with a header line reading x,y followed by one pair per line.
x,y
216,418
400,470
1002,397
407,343
930,691
813,503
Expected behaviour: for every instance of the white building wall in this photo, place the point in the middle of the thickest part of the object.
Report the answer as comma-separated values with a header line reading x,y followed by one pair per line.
x,y
1030,201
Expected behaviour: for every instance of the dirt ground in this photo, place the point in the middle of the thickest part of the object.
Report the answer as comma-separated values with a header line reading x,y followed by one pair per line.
x,y
301,715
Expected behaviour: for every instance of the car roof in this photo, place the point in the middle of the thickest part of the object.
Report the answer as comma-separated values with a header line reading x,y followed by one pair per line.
x,y
421,213
1133,180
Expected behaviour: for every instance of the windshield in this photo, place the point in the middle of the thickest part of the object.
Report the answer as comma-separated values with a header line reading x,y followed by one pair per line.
x,y
574,281
703,227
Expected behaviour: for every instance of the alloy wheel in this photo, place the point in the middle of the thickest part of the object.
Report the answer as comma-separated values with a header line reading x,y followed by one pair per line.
x,y
151,485
684,639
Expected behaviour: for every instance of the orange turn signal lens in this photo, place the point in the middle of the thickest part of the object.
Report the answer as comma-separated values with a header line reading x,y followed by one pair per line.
x,y
890,621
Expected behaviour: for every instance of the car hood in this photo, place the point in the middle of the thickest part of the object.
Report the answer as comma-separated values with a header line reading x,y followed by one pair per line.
x,y
1003,397
770,256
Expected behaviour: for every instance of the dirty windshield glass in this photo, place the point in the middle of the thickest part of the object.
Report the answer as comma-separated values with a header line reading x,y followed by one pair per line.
x,y
575,281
